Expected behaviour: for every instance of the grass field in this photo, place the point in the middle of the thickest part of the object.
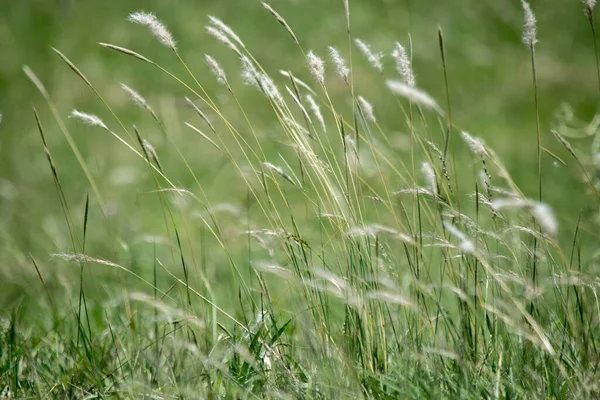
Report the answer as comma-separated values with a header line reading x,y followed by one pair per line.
x,y
413,214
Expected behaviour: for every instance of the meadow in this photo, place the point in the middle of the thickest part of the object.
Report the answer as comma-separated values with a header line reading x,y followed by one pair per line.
x,y
299,199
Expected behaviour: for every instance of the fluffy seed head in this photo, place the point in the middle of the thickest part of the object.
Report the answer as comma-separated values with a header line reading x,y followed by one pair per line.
x,y
374,59
340,65
529,30
88,119
316,110
367,109
225,29
545,217
0,118
403,65
465,244
216,70
136,97
429,175
317,67
158,29
475,144
414,95
222,37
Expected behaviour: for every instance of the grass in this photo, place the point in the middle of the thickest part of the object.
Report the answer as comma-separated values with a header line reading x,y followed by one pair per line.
x,y
311,234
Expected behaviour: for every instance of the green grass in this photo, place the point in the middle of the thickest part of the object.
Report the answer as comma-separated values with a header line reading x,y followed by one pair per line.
x,y
235,248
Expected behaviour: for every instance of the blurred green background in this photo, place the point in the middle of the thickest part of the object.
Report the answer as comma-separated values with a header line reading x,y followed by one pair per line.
x,y
489,72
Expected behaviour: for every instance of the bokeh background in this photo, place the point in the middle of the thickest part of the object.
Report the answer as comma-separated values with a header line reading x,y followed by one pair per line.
x,y
489,73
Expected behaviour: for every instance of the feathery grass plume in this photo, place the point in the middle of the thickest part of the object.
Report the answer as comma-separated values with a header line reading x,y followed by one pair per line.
x,y
223,38
465,244
414,95
216,70
151,151
589,6
542,213
317,67
297,81
251,76
374,59
279,171
403,65
529,30
475,144
137,98
88,119
226,29
429,175
545,217
282,21
158,29
316,110
0,118
125,51
340,64
367,109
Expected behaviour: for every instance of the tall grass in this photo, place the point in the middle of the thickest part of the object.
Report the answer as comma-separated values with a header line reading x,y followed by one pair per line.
x,y
348,271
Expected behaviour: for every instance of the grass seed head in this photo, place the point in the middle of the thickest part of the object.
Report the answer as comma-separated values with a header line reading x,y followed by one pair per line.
x,y
225,29
316,110
403,65
317,67
158,29
367,109
529,28
88,119
216,69
373,58
414,95
340,64
223,38
136,98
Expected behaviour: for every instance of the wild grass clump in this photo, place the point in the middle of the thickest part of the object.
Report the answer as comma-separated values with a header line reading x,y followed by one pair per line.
x,y
335,268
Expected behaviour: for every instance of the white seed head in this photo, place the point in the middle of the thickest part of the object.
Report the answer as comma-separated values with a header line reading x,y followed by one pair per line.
x,y
414,95
475,144
216,69
340,64
226,29
367,109
316,110
317,67
136,97
403,65
429,175
465,244
222,37
545,217
250,74
374,59
529,29
158,29
88,119
0,118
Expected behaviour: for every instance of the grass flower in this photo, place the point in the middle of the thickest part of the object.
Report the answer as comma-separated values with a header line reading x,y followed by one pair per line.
x,y
88,119
403,65
373,58
158,29
529,28
317,67
414,95
340,65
